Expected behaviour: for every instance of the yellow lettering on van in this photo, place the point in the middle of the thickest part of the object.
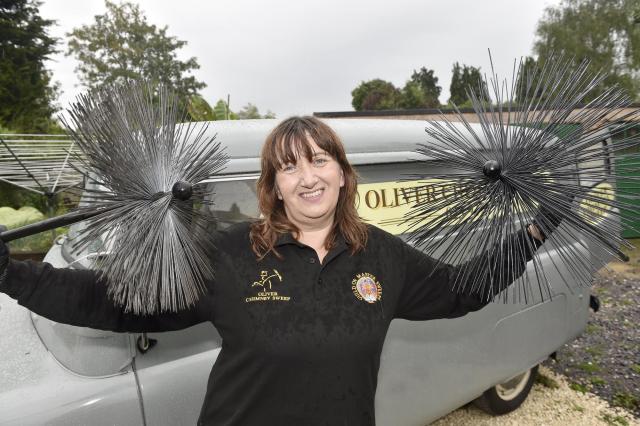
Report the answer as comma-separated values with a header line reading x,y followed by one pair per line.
x,y
387,203
368,199
384,204
592,209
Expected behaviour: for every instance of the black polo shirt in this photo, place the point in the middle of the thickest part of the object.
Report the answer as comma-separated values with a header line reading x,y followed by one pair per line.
x,y
301,339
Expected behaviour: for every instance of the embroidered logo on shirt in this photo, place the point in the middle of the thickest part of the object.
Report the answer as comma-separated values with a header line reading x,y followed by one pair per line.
x,y
366,287
266,281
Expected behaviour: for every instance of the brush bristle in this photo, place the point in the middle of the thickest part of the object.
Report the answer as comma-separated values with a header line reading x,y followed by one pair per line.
x,y
135,147
549,145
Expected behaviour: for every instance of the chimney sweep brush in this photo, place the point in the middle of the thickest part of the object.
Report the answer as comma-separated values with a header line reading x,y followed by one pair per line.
x,y
150,168
544,154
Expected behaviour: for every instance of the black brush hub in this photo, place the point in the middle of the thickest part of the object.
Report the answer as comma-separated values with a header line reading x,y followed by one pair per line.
x,y
492,169
182,190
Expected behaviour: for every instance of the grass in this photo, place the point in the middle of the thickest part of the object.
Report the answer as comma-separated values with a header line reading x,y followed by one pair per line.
x,y
38,243
615,420
578,387
547,381
589,367
626,400
594,351
597,381
592,328
636,368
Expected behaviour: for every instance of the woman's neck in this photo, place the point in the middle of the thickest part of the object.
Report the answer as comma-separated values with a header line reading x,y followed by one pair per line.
x,y
315,238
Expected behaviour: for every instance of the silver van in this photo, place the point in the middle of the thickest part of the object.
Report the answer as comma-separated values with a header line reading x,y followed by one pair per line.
x,y
57,374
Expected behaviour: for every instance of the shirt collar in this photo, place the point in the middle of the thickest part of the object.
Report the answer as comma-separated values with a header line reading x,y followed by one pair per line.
x,y
287,238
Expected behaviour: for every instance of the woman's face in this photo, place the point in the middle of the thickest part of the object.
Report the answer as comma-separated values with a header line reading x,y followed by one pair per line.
x,y
310,189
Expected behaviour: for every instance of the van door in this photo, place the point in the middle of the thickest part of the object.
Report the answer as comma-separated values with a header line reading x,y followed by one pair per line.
x,y
172,375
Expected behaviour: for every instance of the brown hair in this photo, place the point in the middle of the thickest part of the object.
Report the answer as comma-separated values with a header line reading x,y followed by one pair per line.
x,y
286,141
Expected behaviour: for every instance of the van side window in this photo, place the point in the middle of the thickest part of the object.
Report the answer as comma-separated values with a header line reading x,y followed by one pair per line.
x,y
234,201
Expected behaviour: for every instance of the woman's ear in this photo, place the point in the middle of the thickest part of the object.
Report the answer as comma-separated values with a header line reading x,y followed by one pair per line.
x,y
341,178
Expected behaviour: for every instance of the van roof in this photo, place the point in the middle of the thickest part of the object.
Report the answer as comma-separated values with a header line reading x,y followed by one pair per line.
x,y
367,141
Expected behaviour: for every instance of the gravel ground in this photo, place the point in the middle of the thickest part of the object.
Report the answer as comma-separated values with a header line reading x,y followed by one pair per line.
x,y
595,379
553,403
605,360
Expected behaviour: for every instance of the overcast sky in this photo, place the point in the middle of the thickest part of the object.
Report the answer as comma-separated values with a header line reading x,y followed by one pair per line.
x,y
300,57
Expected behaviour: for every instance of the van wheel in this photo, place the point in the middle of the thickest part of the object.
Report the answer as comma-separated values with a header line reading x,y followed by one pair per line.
x,y
505,397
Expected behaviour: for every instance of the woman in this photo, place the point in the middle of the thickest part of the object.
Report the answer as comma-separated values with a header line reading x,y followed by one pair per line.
x,y
302,298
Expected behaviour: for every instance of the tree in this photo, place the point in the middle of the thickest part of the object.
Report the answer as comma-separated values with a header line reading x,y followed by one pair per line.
x,y
412,96
428,82
250,111
464,78
526,83
606,32
375,94
122,45
199,109
27,95
222,112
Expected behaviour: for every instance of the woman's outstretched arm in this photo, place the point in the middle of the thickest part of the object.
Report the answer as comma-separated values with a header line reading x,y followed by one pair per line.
x,y
429,292
79,297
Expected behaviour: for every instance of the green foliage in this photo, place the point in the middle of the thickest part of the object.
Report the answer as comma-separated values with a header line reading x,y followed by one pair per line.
x,y
12,218
463,79
38,243
578,387
250,111
12,196
222,112
27,95
595,351
15,218
420,91
525,83
428,82
375,94
626,400
199,109
606,32
615,420
412,96
589,367
592,328
122,45
547,381
636,368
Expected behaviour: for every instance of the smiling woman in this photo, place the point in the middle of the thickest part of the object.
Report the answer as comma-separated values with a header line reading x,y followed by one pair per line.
x,y
307,187
302,297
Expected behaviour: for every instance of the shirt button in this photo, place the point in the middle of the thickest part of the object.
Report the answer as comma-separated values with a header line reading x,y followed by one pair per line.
x,y
320,281
312,260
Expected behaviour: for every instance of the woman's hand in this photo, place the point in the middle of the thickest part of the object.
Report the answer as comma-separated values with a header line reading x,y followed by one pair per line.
x,y
534,231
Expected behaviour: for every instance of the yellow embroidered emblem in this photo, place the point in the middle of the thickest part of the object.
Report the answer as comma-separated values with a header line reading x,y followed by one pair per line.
x,y
266,282
366,287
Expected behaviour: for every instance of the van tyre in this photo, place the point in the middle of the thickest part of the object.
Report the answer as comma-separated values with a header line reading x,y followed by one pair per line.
x,y
509,395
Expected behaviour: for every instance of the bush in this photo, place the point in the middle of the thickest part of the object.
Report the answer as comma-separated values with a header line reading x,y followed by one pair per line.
x,y
39,243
